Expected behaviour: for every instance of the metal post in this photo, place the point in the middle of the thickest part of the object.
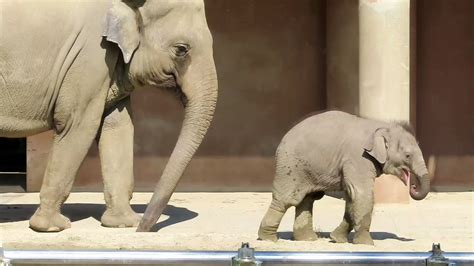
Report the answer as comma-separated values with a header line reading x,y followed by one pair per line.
x,y
437,258
245,257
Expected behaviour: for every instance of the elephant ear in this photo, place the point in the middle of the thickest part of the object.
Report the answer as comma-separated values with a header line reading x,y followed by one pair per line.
x,y
122,26
376,145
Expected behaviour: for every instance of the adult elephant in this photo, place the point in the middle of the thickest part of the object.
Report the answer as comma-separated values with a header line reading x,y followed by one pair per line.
x,y
70,66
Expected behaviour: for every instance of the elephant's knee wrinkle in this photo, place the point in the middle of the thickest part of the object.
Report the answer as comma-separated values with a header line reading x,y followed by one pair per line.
x,y
278,206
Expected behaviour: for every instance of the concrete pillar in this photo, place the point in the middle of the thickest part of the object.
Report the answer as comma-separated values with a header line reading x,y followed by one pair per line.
x,y
384,73
342,55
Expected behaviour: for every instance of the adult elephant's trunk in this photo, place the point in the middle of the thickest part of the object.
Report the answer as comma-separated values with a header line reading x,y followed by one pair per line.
x,y
201,97
420,182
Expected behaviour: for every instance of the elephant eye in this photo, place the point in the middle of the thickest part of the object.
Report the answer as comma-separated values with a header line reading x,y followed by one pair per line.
x,y
407,156
181,49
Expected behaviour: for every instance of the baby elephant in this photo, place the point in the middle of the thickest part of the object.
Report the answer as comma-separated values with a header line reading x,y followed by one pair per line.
x,y
336,151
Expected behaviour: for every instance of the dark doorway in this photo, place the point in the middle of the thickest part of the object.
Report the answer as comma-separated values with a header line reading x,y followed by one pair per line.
x,y
12,165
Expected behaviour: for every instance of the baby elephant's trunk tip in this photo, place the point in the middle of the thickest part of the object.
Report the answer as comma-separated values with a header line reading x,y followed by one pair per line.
x,y
419,187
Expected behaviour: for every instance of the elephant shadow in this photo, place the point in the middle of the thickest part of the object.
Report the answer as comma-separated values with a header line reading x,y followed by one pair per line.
x,y
375,235
79,211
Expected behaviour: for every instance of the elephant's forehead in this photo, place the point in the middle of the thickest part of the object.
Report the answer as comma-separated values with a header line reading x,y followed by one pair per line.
x,y
166,5
193,3
178,9
408,143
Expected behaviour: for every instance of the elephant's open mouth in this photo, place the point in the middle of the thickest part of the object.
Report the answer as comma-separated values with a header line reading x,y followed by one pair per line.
x,y
405,177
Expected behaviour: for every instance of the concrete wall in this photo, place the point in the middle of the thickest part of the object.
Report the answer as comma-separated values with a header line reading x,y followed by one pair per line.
x,y
270,59
342,59
445,90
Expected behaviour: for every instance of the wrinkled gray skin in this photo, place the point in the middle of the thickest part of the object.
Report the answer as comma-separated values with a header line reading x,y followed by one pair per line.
x,y
336,151
71,65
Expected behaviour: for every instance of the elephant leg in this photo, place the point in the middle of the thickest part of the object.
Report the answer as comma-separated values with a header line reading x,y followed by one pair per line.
x,y
303,225
362,204
362,234
271,221
71,143
116,155
339,235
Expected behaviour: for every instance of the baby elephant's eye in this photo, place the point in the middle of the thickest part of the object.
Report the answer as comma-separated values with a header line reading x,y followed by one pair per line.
x,y
407,156
181,49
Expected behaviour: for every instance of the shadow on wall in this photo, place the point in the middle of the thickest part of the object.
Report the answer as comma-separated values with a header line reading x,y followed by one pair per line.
x,y
78,211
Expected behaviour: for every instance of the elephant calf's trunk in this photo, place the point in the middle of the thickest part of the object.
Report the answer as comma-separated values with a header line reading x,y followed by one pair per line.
x,y
419,187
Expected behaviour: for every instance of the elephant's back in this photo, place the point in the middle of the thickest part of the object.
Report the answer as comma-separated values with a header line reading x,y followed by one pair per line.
x,y
308,158
33,33
39,42
318,142
31,39
319,129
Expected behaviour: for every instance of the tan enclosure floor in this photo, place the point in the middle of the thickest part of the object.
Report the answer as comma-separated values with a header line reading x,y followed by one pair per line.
x,y
221,221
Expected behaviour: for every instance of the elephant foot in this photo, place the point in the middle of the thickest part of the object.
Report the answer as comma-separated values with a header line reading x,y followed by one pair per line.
x,y
267,233
363,238
339,236
121,219
269,225
307,235
49,222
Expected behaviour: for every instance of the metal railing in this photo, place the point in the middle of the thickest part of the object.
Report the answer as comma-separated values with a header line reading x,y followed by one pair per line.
x,y
90,257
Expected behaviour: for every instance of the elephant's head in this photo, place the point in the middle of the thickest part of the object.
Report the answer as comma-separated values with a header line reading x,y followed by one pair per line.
x,y
397,150
167,43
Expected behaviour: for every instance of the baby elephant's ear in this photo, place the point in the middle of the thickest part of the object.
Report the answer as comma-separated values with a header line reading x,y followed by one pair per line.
x,y
122,27
376,145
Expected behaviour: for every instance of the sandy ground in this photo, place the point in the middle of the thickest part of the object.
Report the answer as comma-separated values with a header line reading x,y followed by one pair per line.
x,y
221,221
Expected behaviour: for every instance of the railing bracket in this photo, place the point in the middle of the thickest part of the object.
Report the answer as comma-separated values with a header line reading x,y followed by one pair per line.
x,y
437,258
245,257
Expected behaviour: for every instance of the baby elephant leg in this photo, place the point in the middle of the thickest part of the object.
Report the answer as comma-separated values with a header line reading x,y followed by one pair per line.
x,y
339,235
362,223
271,221
303,226
361,213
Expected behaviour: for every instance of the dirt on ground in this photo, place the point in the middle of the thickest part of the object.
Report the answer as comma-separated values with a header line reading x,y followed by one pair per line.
x,y
222,221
